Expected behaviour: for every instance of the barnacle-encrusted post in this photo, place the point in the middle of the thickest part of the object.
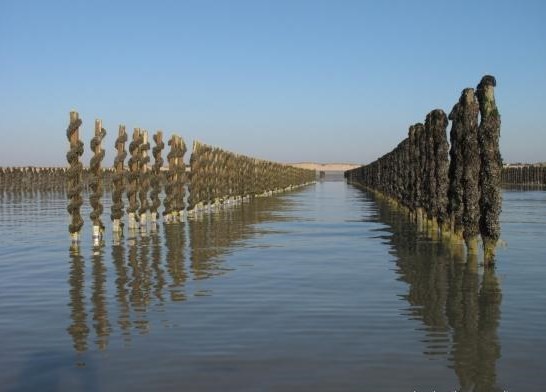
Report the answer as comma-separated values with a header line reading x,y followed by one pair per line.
x,y
491,166
156,179
118,183
95,181
74,177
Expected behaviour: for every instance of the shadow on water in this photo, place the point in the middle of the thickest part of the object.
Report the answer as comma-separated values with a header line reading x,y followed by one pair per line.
x,y
457,304
152,268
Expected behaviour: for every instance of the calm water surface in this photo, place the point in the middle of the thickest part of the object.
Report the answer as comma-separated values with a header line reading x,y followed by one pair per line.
x,y
322,289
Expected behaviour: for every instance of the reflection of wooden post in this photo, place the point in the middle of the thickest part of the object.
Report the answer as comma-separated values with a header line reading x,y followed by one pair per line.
x,y
74,177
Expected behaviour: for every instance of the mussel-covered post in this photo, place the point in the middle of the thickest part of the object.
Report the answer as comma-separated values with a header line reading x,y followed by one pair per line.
x,y
133,178
456,165
491,166
156,179
464,189
95,180
117,181
144,179
181,176
74,177
170,186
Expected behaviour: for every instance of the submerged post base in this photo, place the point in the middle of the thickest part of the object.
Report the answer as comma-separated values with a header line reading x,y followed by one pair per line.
x,y
489,246
472,245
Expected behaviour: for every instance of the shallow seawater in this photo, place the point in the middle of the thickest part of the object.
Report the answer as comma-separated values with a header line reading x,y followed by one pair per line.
x,y
323,289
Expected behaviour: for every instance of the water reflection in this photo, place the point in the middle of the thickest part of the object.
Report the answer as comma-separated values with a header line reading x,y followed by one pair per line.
x,y
458,307
78,328
98,298
174,242
151,268
122,293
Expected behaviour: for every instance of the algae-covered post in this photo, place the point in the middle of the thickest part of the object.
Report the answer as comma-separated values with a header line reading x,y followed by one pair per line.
x,y
95,180
156,179
74,176
491,166
117,181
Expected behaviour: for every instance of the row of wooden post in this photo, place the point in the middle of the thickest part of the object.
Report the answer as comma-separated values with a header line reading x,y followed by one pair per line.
x,y
524,175
53,179
217,178
455,189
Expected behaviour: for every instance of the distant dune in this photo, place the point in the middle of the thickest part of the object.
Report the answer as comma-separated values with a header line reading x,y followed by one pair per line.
x,y
325,166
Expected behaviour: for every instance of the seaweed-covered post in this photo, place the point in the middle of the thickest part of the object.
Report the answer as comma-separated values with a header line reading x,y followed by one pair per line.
x,y
117,181
491,166
74,177
95,181
155,181
144,179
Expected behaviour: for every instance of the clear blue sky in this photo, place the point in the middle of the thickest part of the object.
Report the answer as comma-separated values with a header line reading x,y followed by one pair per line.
x,y
295,80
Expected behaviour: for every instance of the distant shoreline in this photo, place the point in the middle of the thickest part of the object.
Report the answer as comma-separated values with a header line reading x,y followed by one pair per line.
x,y
326,166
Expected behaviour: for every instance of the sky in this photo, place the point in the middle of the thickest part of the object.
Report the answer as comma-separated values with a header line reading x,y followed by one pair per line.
x,y
283,80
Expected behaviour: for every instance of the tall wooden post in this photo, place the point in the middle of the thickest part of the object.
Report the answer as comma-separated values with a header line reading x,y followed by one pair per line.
x,y
490,201
156,179
118,183
144,179
95,181
74,177
133,179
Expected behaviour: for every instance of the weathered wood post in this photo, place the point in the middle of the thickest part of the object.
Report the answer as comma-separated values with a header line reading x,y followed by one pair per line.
x,y
491,166
118,183
95,181
74,177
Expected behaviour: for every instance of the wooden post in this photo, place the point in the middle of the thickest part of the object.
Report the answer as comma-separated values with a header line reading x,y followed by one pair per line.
x,y
133,176
156,179
118,183
74,177
95,181
144,180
